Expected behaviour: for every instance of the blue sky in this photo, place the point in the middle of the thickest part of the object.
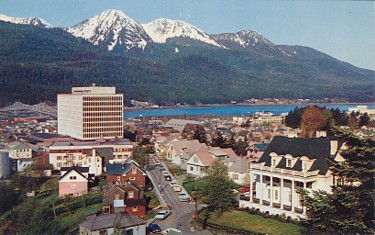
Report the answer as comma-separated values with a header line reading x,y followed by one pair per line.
x,y
342,29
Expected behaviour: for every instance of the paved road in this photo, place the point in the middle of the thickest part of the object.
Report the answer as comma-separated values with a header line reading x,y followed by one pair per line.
x,y
181,211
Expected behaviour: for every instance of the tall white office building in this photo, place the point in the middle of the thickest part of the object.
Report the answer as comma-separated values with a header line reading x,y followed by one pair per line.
x,y
90,113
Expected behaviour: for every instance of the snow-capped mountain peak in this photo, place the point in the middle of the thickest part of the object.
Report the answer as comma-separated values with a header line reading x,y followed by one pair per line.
x,y
162,29
248,39
35,21
110,29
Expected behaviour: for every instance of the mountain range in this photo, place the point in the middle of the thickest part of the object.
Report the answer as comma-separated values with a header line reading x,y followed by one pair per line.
x,y
165,62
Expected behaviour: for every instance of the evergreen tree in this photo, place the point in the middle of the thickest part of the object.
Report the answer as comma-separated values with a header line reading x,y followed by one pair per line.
x,y
200,135
350,207
217,193
364,120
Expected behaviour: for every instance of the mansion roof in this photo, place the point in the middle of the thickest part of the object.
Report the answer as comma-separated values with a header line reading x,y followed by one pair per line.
x,y
316,149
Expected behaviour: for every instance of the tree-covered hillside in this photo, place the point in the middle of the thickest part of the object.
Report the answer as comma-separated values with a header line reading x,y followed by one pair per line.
x,y
36,64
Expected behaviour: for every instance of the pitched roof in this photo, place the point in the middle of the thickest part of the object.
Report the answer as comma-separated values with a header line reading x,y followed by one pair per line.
x,y
120,169
237,165
18,145
124,219
106,153
205,156
261,147
190,146
317,149
74,168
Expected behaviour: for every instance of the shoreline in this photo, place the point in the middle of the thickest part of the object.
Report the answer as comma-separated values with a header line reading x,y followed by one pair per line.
x,y
243,104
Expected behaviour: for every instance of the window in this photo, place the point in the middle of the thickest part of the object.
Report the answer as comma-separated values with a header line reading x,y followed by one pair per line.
x,y
235,176
73,177
191,168
135,208
269,193
134,170
58,164
117,196
131,178
118,178
130,194
288,163
58,157
274,162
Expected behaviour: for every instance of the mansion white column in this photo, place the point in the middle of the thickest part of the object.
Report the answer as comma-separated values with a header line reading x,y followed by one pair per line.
x,y
281,192
261,189
303,206
271,196
251,187
293,196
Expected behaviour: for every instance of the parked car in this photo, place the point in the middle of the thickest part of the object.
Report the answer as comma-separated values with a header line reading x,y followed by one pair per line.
x,y
172,183
168,178
183,197
154,228
173,231
165,173
162,214
177,188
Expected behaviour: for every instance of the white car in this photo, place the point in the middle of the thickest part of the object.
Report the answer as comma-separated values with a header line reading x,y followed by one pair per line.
x,y
162,214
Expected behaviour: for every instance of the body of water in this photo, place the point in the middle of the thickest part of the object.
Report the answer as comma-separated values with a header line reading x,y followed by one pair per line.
x,y
228,110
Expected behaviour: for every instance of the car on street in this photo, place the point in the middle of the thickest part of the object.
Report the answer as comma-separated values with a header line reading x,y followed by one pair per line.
x,y
154,228
172,183
177,188
162,214
183,197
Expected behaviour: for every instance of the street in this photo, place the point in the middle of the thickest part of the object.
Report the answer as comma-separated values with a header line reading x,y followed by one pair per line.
x,y
181,211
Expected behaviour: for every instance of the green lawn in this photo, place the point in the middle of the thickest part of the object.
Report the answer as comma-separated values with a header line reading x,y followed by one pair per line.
x,y
194,185
177,171
255,223
69,222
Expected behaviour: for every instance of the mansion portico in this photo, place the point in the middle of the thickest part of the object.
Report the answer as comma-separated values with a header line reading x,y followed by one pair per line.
x,y
287,165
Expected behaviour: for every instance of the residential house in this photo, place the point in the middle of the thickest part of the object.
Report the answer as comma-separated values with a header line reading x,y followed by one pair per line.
x,y
73,182
126,197
179,124
18,150
255,151
201,160
107,224
289,164
238,170
128,171
179,151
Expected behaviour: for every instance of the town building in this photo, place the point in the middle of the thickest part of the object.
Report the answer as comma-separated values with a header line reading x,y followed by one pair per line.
x,y
107,224
90,113
287,165
179,124
92,154
73,182
125,196
18,150
127,171
363,109
202,159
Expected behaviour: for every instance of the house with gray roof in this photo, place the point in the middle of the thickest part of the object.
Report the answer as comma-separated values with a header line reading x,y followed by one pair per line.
x,y
287,165
122,223
18,150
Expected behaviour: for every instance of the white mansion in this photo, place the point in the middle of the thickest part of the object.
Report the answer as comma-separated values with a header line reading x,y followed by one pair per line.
x,y
289,164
